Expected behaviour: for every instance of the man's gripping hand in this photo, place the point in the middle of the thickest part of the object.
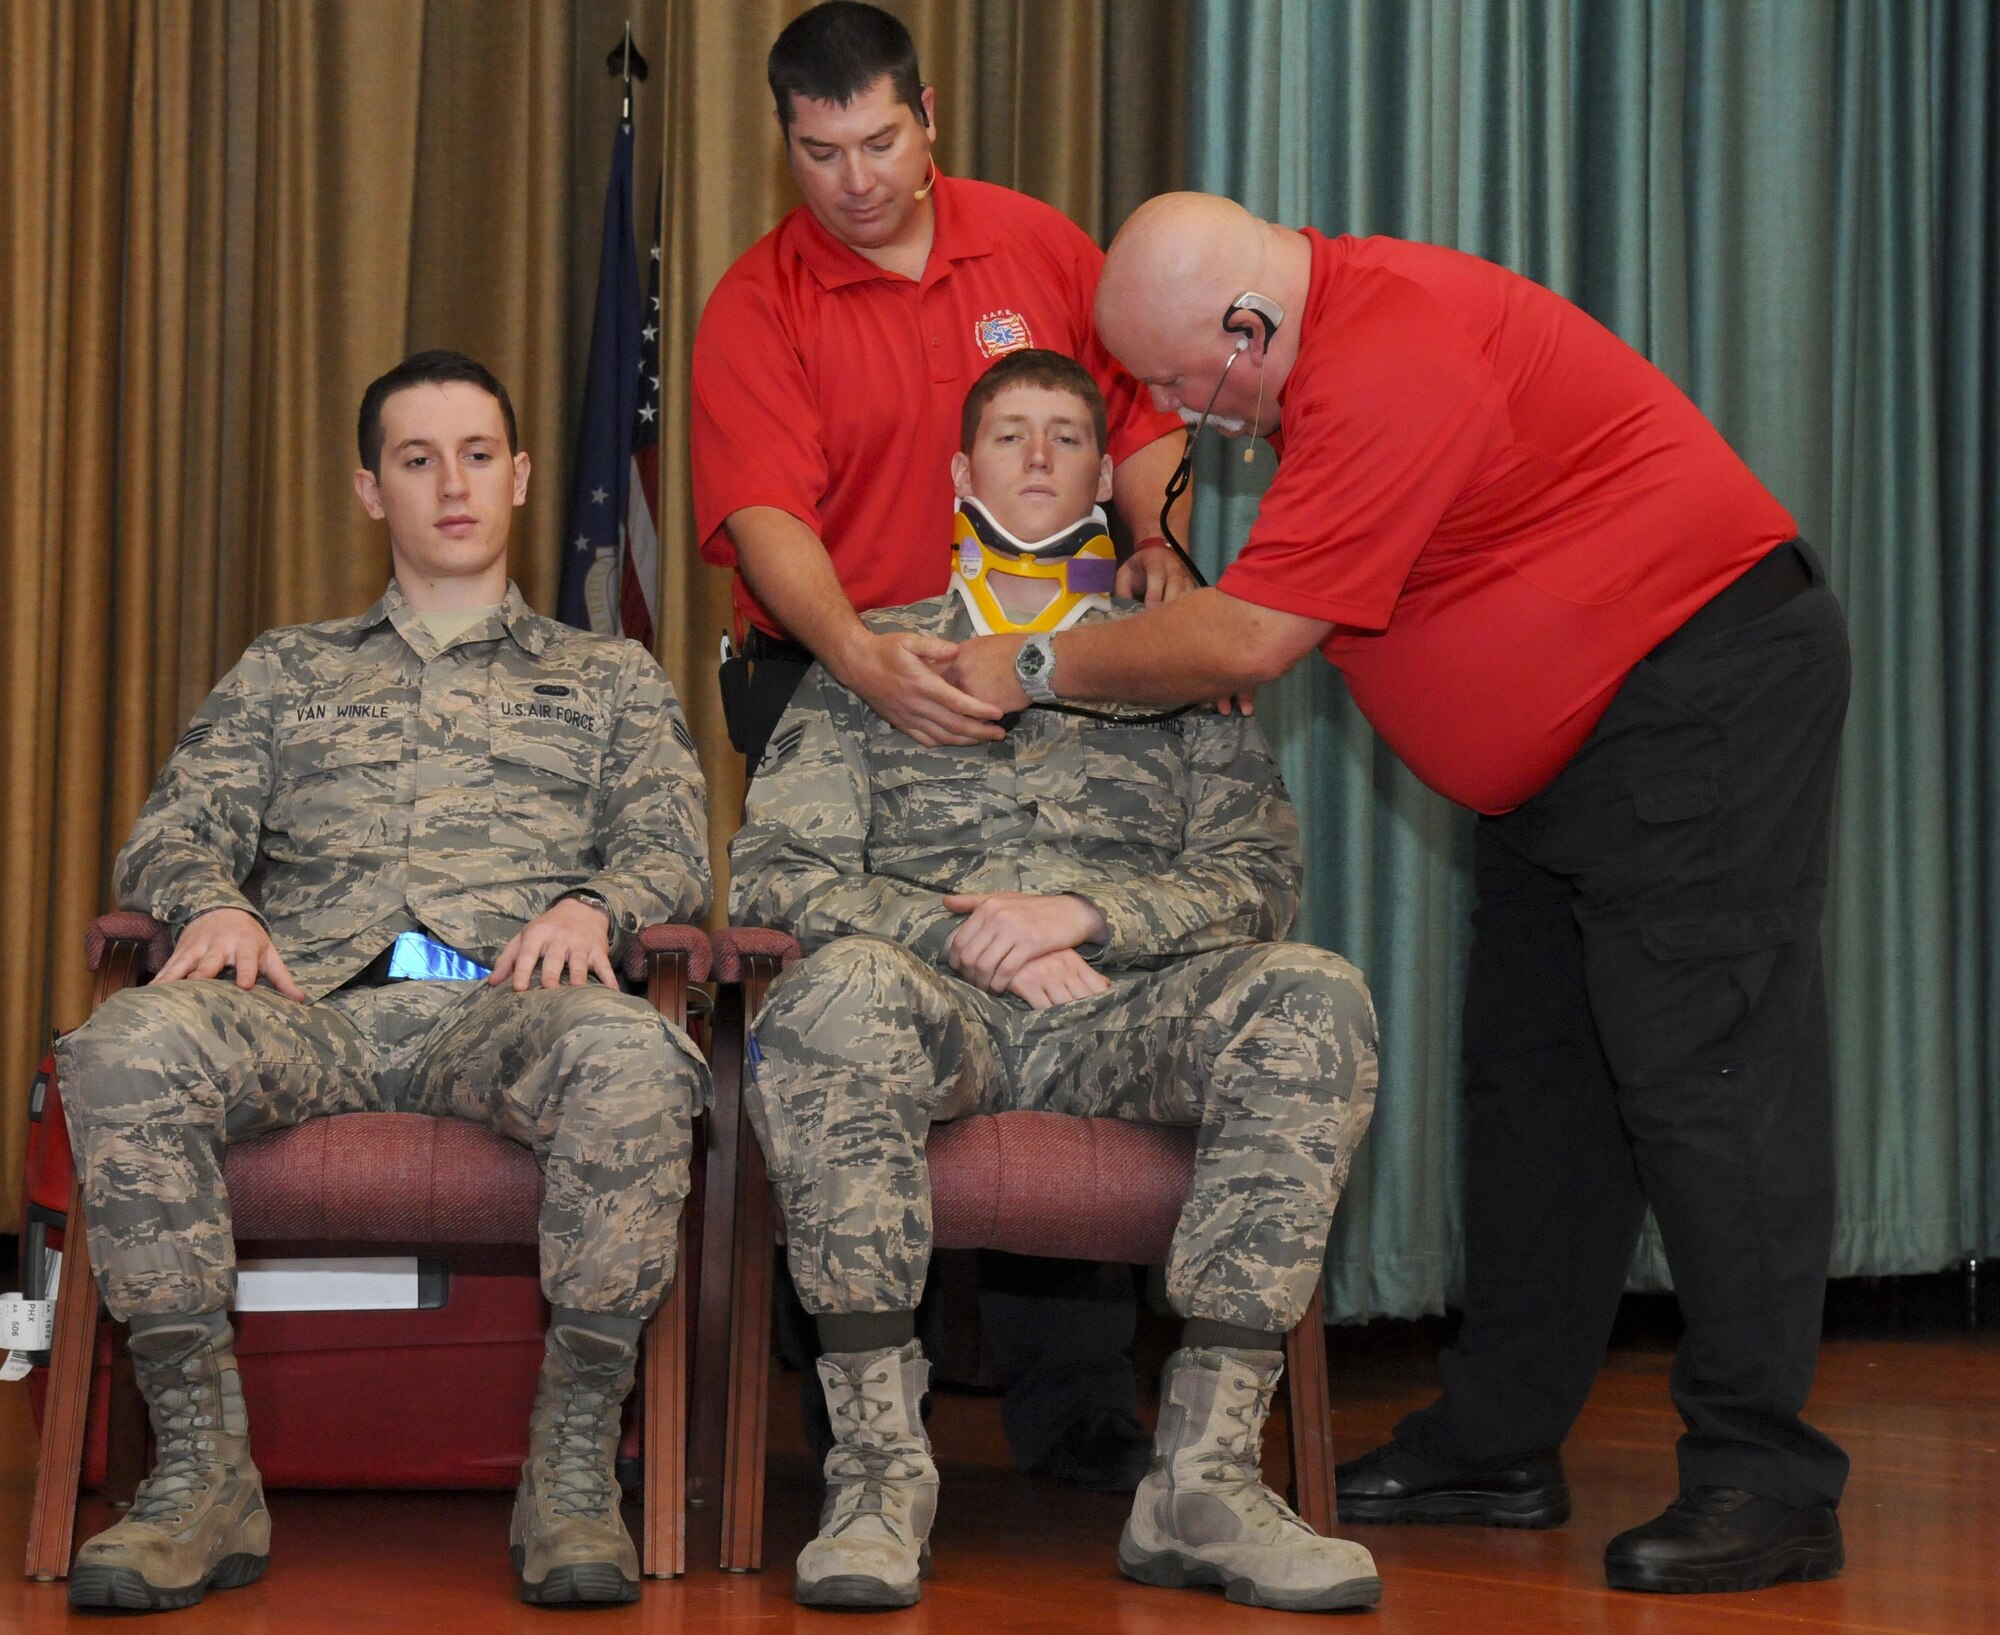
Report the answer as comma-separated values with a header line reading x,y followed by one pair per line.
x,y
225,939
984,667
1153,575
896,674
1005,930
571,935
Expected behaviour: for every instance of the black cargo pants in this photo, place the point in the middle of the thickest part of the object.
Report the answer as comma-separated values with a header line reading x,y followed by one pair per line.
x,y
1645,1023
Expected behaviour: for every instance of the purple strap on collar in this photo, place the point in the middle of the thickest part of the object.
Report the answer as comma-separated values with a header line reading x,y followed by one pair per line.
x,y
1091,576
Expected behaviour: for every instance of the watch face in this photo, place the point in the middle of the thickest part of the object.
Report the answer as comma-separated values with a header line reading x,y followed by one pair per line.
x,y
1031,661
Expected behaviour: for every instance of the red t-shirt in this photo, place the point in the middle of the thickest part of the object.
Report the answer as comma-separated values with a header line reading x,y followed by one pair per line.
x,y
1502,505
829,388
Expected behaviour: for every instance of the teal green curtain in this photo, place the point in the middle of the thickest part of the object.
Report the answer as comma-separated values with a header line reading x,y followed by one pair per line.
x,y
1790,206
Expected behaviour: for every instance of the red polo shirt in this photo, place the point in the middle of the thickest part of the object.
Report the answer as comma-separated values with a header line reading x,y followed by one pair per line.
x,y
1501,505
830,388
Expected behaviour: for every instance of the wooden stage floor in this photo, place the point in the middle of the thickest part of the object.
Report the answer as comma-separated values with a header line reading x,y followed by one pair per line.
x,y
1914,1397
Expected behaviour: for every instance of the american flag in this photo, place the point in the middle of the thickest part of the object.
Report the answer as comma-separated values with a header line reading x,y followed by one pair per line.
x,y
611,554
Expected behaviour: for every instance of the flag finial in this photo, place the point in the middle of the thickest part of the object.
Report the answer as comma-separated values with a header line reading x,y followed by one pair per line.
x,y
627,64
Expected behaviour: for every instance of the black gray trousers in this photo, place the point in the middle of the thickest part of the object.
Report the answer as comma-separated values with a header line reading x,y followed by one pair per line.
x,y
1646,1023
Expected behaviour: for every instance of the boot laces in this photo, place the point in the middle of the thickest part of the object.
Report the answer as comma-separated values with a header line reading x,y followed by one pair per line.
x,y
1232,1461
578,1484
866,1465
186,1456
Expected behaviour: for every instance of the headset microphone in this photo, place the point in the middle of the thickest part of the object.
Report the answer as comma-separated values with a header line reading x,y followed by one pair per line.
x,y
930,181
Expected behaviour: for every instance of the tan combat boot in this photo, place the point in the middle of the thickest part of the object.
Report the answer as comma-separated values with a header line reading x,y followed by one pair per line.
x,y
873,1547
199,1519
570,1546
1203,1515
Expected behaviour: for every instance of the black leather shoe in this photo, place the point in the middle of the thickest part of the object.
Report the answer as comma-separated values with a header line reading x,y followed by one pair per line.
x,y
1393,1484
1720,1538
1103,1450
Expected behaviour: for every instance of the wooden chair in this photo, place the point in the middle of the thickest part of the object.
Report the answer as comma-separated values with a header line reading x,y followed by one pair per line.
x,y
1029,1183
349,1180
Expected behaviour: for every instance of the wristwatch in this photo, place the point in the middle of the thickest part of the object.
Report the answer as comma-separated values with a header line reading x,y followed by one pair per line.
x,y
1035,669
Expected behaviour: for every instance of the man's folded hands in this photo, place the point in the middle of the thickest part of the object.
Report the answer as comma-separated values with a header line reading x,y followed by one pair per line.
x,y
1020,943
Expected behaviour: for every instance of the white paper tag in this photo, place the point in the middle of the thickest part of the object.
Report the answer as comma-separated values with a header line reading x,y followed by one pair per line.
x,y
26,1325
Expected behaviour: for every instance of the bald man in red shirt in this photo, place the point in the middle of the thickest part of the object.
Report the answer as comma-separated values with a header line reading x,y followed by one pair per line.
x,y
1567,604
830,368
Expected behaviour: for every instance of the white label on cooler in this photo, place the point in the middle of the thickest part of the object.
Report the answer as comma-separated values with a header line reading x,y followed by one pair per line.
x,y
26,1325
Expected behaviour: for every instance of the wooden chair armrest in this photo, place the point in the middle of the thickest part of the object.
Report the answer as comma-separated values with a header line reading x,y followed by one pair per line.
x,y
124,948
657,941
737,944
662,960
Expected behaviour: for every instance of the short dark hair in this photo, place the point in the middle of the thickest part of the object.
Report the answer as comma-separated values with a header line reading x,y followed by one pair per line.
x,y
1031,366
433,368
835,51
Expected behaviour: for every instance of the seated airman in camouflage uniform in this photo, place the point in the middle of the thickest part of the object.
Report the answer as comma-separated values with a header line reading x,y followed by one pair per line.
x,y
1077,916
448,763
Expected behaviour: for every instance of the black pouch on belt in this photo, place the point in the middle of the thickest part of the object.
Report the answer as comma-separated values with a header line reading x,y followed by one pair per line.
x,y
734,679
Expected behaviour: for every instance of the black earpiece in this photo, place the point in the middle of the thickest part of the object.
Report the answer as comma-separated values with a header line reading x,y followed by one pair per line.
x,y
1261,307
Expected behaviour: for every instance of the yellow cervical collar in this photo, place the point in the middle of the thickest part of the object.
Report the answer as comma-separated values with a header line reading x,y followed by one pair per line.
x,y
1079,561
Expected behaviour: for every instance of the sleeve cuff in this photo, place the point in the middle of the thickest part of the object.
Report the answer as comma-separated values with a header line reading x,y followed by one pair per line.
x,y
624,923
1119,925
183,912
931,940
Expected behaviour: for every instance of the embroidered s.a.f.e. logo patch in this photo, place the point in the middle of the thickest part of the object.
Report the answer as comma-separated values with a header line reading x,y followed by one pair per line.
x,y
998,332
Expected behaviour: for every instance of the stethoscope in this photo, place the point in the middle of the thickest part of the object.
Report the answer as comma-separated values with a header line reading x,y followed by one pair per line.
x,y
1268,313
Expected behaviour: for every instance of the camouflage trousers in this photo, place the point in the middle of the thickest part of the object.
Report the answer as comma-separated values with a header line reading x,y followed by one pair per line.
x,y
1268,1050
162,1078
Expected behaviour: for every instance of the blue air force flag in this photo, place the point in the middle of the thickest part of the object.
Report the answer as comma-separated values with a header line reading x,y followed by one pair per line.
x,y
610,569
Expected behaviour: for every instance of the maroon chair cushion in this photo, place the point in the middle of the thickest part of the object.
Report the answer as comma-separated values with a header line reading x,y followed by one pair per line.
x,y
1050,1184
384,1178
738,942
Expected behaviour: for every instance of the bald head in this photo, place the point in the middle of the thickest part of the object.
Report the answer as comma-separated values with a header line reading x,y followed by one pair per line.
x,y
1168,280
1178,260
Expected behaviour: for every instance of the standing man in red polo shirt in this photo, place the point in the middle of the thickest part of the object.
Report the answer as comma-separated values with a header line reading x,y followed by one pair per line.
x,y
833,357
1567,604
830,366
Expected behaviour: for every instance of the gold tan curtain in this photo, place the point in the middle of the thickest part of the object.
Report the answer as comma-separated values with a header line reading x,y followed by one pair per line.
x,y
224,220
226,216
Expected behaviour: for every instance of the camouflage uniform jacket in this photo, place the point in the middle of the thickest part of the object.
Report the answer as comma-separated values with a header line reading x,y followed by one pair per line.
x,y
362,783
1180,832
